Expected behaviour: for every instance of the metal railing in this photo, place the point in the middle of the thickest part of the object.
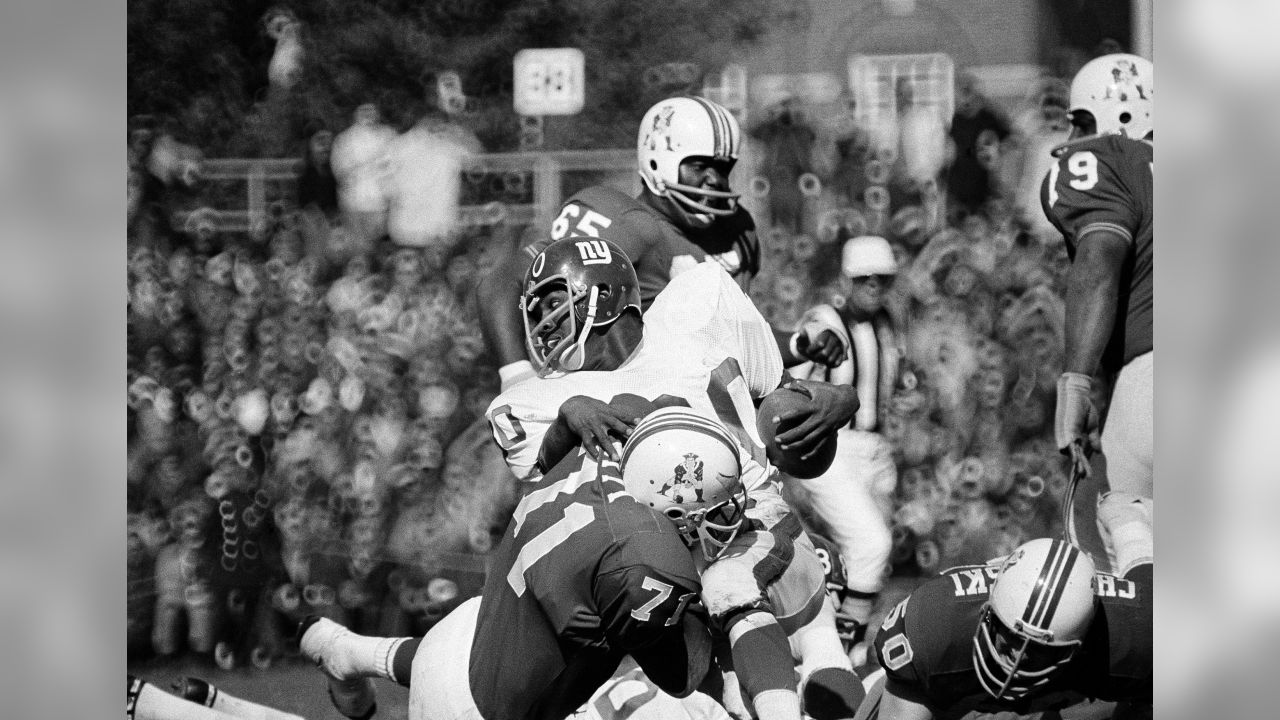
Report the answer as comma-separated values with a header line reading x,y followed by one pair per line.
x,y
547,170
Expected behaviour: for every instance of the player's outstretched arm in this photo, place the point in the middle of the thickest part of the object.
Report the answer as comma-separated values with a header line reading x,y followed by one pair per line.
x,y
498,296
678,663
589,422
832,407
796,348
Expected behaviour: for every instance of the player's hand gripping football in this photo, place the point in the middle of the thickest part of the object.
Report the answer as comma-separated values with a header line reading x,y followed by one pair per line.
x,y
831,408
826,349
1075,422
594,421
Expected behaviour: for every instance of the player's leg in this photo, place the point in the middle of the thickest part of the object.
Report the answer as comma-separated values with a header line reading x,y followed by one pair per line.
x,y
829,690
733,591
200,691
1127,521
1127,434
148,702
440,685
850,499
1127,444
350,662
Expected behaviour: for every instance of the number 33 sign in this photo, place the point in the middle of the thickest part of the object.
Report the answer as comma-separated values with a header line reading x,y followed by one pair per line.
x,y
549,81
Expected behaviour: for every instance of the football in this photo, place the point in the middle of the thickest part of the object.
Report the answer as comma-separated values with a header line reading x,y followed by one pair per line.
x,y
778,403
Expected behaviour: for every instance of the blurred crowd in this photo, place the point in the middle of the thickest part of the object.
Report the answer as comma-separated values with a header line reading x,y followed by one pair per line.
x,y
306,398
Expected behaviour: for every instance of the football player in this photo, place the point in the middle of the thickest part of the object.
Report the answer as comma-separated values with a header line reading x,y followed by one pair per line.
x,y
584,575
1037,630
703,343
673,455
685,214
1099,195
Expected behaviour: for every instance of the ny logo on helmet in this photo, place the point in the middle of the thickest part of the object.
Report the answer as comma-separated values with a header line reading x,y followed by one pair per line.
x,y
594,252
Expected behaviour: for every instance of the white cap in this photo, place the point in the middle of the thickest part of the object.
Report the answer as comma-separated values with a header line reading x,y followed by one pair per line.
x,y
868,255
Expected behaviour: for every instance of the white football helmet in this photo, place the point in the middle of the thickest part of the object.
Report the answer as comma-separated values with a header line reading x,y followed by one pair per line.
x,y
679,128
1039,610
1117,90
687,467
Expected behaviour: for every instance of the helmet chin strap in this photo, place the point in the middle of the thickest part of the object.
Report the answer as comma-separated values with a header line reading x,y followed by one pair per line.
x,y
576,357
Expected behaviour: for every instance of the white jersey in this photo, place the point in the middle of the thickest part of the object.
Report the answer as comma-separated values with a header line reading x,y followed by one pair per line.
x,y
704,342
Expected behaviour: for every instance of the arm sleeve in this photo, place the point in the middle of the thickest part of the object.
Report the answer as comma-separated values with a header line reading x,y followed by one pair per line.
x,y
518,427
652,615
756,345
1087,193
902,660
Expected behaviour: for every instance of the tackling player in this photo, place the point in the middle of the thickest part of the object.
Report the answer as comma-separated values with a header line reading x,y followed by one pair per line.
x,y
667,460
685,214
1037,630
703,343
1099,195
584,575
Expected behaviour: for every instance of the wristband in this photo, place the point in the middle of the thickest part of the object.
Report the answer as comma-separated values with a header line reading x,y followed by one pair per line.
x,y
1075,381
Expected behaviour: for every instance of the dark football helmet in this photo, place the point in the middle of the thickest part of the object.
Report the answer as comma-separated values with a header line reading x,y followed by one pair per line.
x,y
571,287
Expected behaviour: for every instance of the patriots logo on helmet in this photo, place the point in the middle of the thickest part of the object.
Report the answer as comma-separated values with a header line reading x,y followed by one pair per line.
x,y
661,128
686,483
1125,75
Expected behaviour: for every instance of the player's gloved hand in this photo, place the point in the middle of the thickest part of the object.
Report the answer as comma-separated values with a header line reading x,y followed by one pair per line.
x,y
832,407
1075,420
593,421
826,348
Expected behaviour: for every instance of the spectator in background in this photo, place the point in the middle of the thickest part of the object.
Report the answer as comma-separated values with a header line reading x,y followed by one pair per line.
x,y
788,142
922,144
1041,126
977,130
423,180
360,163
843,151
317,187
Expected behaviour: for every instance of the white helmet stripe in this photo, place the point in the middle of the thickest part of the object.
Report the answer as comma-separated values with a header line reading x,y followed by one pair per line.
x,y
1050,586
682,420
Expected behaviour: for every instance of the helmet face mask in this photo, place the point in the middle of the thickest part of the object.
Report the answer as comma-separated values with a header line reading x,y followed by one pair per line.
x,y
678,139
710,529
1040,608
1011,664
572,287
687,467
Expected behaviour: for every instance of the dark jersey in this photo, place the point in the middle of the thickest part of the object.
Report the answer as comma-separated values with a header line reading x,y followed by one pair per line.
x,y
658,249
584,575
1105,182
926,646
